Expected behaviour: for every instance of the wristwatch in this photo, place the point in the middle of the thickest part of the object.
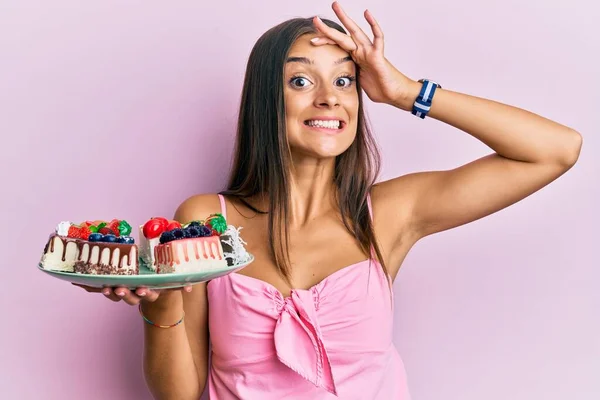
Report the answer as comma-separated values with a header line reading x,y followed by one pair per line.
x,y
423,102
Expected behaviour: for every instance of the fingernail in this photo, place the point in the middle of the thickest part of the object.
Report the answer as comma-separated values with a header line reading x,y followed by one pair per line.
x,y
314,40
142,294
106,292
121,294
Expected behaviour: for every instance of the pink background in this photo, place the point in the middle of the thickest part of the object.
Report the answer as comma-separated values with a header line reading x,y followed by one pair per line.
x,y
124,108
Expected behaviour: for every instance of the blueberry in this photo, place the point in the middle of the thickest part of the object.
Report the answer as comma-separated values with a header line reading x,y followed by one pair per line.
x,y
195,223
126,239
166,237
192,232
110,238
204,231
178,233
95,237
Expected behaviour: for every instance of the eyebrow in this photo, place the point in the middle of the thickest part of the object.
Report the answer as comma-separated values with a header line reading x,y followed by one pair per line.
x,y
307,61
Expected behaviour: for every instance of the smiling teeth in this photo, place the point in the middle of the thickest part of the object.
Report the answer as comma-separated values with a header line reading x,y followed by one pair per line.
x,y
325,124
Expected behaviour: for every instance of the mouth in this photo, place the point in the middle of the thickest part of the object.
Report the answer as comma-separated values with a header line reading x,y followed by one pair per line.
x,y
327,125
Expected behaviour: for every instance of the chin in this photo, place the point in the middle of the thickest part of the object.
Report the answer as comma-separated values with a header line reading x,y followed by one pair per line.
x,y
318,145
320,152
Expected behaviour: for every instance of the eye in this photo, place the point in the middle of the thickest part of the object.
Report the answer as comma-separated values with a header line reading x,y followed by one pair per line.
x,y
299,82
344,81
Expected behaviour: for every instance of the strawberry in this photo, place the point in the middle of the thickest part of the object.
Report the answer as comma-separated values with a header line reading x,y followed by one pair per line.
x,y
73,232
79,232
114,226
85,232
106,231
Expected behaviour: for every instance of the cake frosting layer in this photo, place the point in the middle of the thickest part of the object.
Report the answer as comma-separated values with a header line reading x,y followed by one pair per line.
x,y
60,254
80,256
190,255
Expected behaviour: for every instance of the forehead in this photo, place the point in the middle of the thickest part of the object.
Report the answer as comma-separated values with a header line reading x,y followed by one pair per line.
x,y
322,56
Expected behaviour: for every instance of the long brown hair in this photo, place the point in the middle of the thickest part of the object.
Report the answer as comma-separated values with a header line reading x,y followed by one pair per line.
x,y
262,161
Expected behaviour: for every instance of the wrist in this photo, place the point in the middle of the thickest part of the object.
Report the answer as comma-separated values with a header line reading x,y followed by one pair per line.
x,y
406,99
158,325
168,303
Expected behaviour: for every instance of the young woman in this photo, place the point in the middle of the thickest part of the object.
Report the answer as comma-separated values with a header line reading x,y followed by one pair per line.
x,y
311,318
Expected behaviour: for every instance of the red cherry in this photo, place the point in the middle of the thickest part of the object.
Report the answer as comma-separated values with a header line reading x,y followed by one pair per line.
x,y
173,225
154,227
162,220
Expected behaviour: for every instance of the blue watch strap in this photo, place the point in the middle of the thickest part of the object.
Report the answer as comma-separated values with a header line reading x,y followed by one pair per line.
x,y
423,102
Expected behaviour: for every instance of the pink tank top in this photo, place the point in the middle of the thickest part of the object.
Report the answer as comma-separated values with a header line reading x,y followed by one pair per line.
x,y
331,341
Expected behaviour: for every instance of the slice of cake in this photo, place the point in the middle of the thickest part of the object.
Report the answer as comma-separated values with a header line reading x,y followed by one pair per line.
x,y
192,248
98,247
150,238
60,253
146,246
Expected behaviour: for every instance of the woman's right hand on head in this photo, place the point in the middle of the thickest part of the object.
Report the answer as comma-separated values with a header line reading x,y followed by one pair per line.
x,y
131,297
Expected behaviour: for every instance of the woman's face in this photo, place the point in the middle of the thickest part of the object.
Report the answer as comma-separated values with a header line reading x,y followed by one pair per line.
x,y
321,100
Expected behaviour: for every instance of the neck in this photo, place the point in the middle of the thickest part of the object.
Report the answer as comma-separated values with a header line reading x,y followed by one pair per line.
x,y
312,191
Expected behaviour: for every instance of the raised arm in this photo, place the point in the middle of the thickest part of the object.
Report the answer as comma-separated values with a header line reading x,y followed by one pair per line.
x,y
530,151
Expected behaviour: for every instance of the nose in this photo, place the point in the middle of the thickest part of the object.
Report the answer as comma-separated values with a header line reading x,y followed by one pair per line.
x,y
326,98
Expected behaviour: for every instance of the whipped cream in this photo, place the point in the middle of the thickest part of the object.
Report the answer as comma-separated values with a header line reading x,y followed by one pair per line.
x,y
62,229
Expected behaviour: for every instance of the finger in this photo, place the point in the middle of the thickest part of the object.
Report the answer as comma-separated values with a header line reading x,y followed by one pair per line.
x,y
341,39
319,41
359,36
147,294
150,296
377,32
110,294
127,296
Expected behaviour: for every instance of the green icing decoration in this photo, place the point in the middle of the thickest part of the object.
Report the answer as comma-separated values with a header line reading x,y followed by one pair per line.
x,y
124,228
93,229
218,223
102,225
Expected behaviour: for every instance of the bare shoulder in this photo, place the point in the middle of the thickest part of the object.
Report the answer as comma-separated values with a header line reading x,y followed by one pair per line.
x,y
197,207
